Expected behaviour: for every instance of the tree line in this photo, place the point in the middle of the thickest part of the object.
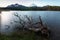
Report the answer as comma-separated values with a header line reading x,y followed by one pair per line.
x,y
44,8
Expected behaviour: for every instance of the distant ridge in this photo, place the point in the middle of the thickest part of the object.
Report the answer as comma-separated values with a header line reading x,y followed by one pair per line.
x,y
33,7
16,6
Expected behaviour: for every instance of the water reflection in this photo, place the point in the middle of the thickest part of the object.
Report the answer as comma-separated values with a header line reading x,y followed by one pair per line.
x,y
5,20
50,17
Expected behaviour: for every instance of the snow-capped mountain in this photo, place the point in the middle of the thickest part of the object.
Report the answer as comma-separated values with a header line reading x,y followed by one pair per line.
x,y
15,6
21,7
33,5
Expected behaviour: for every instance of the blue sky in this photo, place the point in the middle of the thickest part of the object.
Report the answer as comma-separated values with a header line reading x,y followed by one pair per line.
x,y
4,3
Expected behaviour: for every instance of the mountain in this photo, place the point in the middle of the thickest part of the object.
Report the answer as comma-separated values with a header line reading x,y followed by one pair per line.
x,y
16,6
33,5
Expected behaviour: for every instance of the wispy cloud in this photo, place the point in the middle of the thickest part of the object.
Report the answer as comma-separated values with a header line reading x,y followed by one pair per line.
x,y
4,3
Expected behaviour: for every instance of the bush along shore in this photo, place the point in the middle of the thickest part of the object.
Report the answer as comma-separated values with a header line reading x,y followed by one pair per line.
x,y
28,30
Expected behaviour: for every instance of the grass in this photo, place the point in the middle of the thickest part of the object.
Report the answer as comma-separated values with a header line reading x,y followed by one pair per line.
x,y
22,35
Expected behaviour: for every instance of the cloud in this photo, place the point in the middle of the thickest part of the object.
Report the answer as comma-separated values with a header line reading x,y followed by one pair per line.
x,y
29,2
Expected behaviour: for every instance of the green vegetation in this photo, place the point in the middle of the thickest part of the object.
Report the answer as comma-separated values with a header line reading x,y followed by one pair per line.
x,y
22,36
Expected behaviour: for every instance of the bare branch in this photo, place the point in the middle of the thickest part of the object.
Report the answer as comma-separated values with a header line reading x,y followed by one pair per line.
x,y
40,20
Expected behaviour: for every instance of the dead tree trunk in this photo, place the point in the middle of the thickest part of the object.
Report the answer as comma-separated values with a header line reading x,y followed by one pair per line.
x,y
30,25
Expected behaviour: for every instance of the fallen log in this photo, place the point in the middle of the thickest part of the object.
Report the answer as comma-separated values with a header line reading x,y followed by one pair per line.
x,y
37,27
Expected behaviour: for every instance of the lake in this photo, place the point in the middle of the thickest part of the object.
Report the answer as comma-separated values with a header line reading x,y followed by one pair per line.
x,y
51,18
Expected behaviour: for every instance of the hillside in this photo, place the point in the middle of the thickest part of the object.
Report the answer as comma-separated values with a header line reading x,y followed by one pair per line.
x,y
21,7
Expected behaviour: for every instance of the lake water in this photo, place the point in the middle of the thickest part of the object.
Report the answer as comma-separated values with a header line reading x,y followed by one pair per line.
x,y
51,18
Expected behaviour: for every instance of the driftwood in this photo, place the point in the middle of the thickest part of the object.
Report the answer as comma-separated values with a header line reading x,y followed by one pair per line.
x,y
37,27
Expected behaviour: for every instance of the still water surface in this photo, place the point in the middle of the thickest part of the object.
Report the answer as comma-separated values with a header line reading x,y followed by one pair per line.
x,y
51,18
